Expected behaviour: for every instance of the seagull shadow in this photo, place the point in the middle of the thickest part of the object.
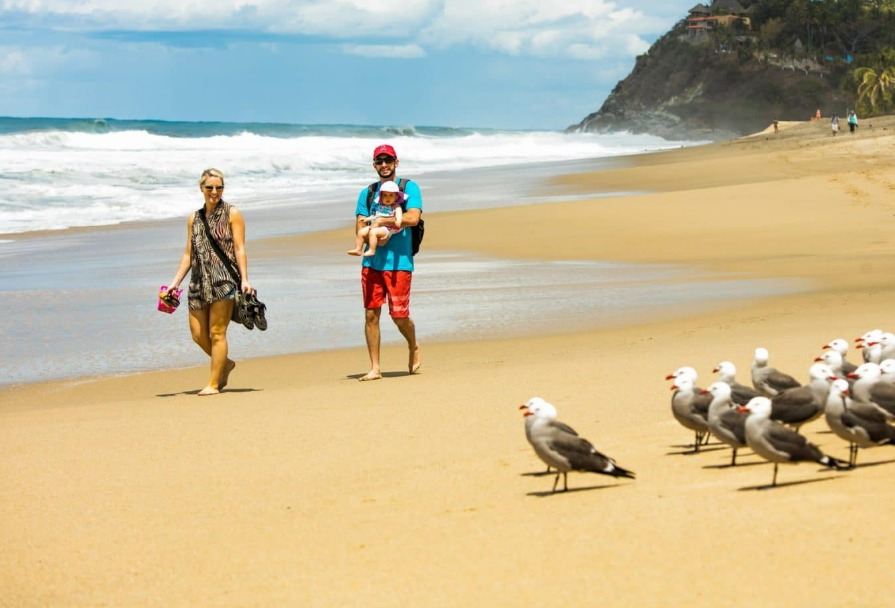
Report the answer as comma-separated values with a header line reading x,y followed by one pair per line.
x,y
735,466
875,463
786,484
547,493
702,450
690,445
537,473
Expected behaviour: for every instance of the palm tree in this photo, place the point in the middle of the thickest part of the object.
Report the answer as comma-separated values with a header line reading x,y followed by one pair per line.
x,y
875,86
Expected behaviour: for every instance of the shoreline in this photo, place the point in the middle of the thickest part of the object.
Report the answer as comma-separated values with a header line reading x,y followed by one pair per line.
x,y
110,276
300,485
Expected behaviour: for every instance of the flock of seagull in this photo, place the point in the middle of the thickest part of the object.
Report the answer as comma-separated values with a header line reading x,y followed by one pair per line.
x,y
857,402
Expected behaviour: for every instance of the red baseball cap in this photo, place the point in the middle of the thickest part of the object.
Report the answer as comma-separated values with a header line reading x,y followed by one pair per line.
x,y
384,149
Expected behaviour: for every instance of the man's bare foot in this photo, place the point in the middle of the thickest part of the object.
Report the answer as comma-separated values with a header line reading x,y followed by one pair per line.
x,y
354,252
373,374
205,392
225,377
415,361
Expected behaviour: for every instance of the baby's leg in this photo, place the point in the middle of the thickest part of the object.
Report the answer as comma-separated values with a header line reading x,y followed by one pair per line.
x,y
359,241
378,236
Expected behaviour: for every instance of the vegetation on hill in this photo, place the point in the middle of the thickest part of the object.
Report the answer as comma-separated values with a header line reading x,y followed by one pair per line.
x,y
731,68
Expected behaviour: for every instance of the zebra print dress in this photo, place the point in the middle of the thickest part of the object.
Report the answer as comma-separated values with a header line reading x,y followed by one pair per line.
x,y
209,278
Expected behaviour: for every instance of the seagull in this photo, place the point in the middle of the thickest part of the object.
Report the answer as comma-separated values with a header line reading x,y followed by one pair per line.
x,y
887,346
860,424
796,406
887,369
777,443
767,380
691,408
725,422
740,393
530,406
681,372
869,351
840,345
565,451
868,387
834,359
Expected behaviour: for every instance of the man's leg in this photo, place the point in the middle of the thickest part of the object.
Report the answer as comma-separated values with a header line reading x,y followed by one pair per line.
x,y
408,330
372,334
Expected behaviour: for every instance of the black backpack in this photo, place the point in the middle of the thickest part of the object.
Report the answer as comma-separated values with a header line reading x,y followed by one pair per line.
x,y
416,232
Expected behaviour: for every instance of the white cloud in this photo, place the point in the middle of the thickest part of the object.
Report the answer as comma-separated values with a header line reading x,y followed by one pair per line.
x,y
577,29
407,51
21,61
13,61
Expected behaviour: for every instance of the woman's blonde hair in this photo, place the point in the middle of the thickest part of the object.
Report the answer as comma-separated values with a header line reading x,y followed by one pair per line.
x,y
211,173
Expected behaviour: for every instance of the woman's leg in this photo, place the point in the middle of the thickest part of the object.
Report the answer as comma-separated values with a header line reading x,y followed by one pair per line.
x,y
209,329
199,329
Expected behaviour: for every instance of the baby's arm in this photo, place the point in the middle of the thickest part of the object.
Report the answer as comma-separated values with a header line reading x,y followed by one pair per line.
x,y
398,215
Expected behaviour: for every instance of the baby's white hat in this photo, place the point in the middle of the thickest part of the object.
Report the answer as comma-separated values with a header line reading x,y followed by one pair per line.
x,y
391,187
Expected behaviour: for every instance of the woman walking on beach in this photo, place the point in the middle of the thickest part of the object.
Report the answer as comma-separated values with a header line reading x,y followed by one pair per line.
x,y
212,289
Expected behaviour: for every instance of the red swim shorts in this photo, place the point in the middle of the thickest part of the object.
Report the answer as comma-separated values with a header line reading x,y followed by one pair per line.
x,y
379,286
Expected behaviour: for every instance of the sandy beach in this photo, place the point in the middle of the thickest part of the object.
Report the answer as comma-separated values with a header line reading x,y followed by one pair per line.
x,y
299,486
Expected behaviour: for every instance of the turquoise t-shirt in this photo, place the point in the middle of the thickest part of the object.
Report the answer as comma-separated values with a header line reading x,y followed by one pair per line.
x,y
396,254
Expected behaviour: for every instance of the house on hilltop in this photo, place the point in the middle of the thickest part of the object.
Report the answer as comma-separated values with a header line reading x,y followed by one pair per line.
x,y
703,19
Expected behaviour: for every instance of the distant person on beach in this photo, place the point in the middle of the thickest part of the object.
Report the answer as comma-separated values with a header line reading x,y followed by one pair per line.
x,y
776,126
817,114
852,121
386,275
212,289
386,204
834,123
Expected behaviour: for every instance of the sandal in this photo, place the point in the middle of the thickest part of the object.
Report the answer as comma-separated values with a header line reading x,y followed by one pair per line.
x,y
256,310
243,310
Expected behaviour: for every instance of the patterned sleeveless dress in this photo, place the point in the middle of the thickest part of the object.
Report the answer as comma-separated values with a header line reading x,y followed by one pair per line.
x,y
209,278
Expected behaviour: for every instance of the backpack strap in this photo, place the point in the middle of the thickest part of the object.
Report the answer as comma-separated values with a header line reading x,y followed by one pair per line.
x,y
371,192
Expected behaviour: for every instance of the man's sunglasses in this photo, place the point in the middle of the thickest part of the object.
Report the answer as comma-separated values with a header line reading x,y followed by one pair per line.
x,y
388,160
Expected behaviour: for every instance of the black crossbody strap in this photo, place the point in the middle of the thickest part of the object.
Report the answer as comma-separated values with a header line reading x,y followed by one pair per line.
x,y
217,249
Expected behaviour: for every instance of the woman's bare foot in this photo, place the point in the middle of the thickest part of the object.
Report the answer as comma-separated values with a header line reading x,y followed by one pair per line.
x,y
373,374
205,392
415,361
225,377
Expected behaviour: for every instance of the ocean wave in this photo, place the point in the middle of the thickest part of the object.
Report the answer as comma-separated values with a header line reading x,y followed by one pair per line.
x,y
67,173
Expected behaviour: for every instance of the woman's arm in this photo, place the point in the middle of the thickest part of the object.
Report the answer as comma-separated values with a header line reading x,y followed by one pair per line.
x,y
184,266
238,230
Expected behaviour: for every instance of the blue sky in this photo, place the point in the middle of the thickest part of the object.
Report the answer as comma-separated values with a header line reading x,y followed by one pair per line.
x,y
513,64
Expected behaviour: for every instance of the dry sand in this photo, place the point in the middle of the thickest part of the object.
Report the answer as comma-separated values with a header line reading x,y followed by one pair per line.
x,y
300,486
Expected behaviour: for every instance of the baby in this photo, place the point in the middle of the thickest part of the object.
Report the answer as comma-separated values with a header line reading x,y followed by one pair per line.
x,y
386,204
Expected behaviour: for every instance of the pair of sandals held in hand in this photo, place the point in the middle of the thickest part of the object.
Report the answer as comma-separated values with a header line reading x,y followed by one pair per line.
x,y
251,310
